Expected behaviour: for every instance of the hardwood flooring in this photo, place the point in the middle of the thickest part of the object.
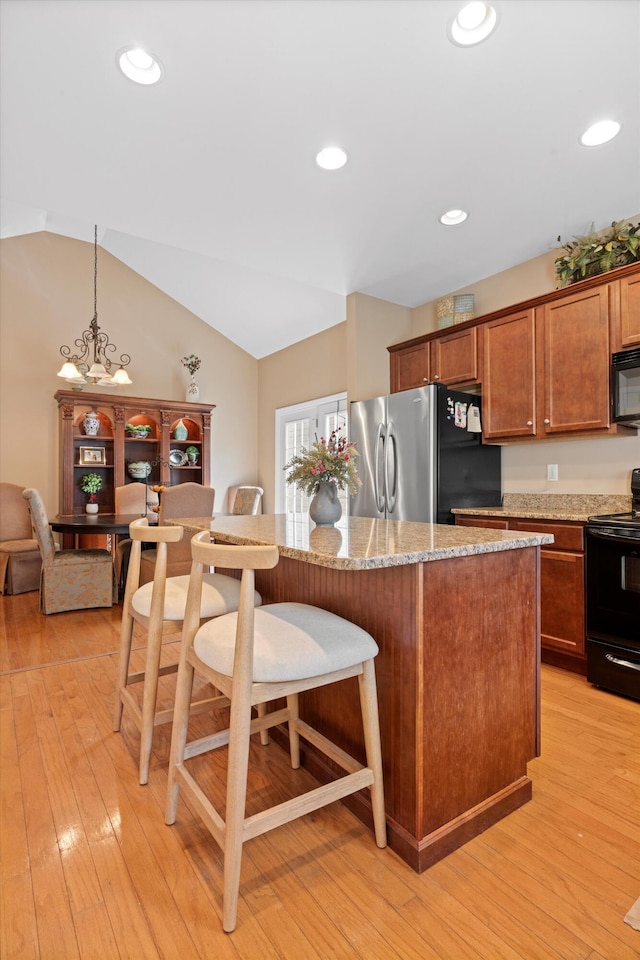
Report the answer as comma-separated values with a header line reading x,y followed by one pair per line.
x,y
90,870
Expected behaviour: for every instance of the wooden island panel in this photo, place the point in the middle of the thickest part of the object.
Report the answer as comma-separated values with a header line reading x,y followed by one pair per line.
x,y
458,687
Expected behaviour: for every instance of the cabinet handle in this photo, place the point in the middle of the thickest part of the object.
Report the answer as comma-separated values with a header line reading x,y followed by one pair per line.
x,y
529,423
622,663
426,379
437,376
546,421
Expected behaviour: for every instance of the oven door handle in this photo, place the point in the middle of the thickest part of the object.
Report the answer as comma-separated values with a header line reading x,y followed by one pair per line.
x,y
622,663
616,537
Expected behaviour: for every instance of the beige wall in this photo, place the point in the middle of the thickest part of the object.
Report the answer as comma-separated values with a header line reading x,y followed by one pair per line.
x,y
46,300
372,325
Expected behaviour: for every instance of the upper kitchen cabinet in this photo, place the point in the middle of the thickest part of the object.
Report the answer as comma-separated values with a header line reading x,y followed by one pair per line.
x,y
409,365
546,369
575,343
630,311
543,365
450,358
509,377
454,357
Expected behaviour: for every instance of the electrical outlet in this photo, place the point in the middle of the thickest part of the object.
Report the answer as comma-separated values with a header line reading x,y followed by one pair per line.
x,y
552,471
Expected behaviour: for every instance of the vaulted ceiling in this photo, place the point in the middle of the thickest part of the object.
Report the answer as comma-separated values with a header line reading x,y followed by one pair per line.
x,y
206,183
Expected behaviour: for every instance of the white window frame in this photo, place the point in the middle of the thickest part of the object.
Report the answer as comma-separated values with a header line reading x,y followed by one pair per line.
x,y
315,410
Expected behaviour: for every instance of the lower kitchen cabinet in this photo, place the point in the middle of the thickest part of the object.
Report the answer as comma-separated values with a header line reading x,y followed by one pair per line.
x,y
562,590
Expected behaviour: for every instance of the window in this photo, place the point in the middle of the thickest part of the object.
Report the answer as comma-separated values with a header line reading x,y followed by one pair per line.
x,y
299,426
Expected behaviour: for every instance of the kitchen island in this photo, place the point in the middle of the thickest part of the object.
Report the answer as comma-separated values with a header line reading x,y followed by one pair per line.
x,y
455,613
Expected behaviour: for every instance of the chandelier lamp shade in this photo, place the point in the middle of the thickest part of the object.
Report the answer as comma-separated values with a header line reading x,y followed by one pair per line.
x,y
91,362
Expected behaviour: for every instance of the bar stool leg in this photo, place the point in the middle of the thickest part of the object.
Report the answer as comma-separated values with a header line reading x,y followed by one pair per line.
x,y
371,725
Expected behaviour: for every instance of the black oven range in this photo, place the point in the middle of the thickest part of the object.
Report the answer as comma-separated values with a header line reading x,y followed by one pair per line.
x,y
613,598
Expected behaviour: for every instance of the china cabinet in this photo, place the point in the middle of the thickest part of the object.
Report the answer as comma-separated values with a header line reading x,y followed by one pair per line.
x,y
119,453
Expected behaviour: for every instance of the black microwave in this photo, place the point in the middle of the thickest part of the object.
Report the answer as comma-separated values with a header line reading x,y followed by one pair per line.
x,y
625,385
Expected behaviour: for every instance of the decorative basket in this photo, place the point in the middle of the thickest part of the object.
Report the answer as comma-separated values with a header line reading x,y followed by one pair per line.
x,y
463,307
444,312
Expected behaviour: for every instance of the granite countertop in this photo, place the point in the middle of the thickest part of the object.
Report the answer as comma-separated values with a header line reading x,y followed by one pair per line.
x,y
553,506
360,543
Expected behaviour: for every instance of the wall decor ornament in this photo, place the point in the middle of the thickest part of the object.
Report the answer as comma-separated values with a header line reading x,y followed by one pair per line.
x,y
192,363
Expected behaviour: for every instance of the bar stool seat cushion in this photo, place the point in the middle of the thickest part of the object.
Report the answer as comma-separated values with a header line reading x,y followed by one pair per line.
x,y
292,641
220,595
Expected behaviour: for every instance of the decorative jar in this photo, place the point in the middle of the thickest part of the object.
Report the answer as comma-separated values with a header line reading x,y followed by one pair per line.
x,y
91,423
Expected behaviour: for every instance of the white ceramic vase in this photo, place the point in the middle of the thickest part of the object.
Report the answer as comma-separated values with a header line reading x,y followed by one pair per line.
x,y
91,507
193,392
91,423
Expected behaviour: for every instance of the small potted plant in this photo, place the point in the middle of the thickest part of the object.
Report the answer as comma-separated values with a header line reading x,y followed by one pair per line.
x,y
139,430
192,455
91,484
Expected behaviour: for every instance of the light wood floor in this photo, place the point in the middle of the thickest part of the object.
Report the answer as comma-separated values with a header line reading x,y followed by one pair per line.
x,y
89,869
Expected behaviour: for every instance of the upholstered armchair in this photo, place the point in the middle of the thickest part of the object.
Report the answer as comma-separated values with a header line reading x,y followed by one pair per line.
x,y
70,579
20,561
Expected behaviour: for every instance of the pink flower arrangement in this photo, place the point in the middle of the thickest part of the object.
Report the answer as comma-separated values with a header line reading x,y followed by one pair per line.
x,y
325,461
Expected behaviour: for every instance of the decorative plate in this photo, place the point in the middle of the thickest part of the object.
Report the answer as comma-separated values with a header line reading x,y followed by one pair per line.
x,y
177,458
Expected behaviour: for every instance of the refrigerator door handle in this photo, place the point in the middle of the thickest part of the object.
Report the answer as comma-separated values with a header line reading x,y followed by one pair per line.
x,y
391,451
380,451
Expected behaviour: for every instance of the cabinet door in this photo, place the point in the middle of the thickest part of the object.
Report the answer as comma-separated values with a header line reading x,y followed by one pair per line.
x,y
454,358
630,310
562,601
577,356
509,377
410,367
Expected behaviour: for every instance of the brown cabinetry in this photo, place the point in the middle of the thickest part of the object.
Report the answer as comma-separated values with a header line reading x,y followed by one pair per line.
x,y
543,365
562,585
509,377
630,311
450,358
576,346
112,449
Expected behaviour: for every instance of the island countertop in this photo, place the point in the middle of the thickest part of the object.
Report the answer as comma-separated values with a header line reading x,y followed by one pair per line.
x,y
360,543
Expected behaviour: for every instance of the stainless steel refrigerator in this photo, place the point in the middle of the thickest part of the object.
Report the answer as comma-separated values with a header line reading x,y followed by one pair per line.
x,y
420,454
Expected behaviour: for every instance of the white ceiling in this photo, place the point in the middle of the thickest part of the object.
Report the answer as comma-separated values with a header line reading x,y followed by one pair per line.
x,y
206,183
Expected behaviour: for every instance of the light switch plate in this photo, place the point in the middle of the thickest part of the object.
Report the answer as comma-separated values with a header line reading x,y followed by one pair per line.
x,y
552,471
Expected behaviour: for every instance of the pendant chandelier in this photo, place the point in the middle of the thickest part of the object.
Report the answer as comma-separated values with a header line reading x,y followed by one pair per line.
x,y
91,363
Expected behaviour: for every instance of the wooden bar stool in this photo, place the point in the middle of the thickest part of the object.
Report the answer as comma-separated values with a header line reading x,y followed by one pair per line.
x,y
159,606
254,656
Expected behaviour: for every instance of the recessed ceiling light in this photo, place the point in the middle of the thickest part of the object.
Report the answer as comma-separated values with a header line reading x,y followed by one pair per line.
x,y
473,23
139,66
331,158
453,217
600,133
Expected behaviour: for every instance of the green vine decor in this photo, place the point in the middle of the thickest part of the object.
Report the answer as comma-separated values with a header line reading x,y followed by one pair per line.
x,y
599,252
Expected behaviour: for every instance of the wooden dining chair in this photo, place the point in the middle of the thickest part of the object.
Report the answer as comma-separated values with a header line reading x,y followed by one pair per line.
x,y
184,500
255,656
158,607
